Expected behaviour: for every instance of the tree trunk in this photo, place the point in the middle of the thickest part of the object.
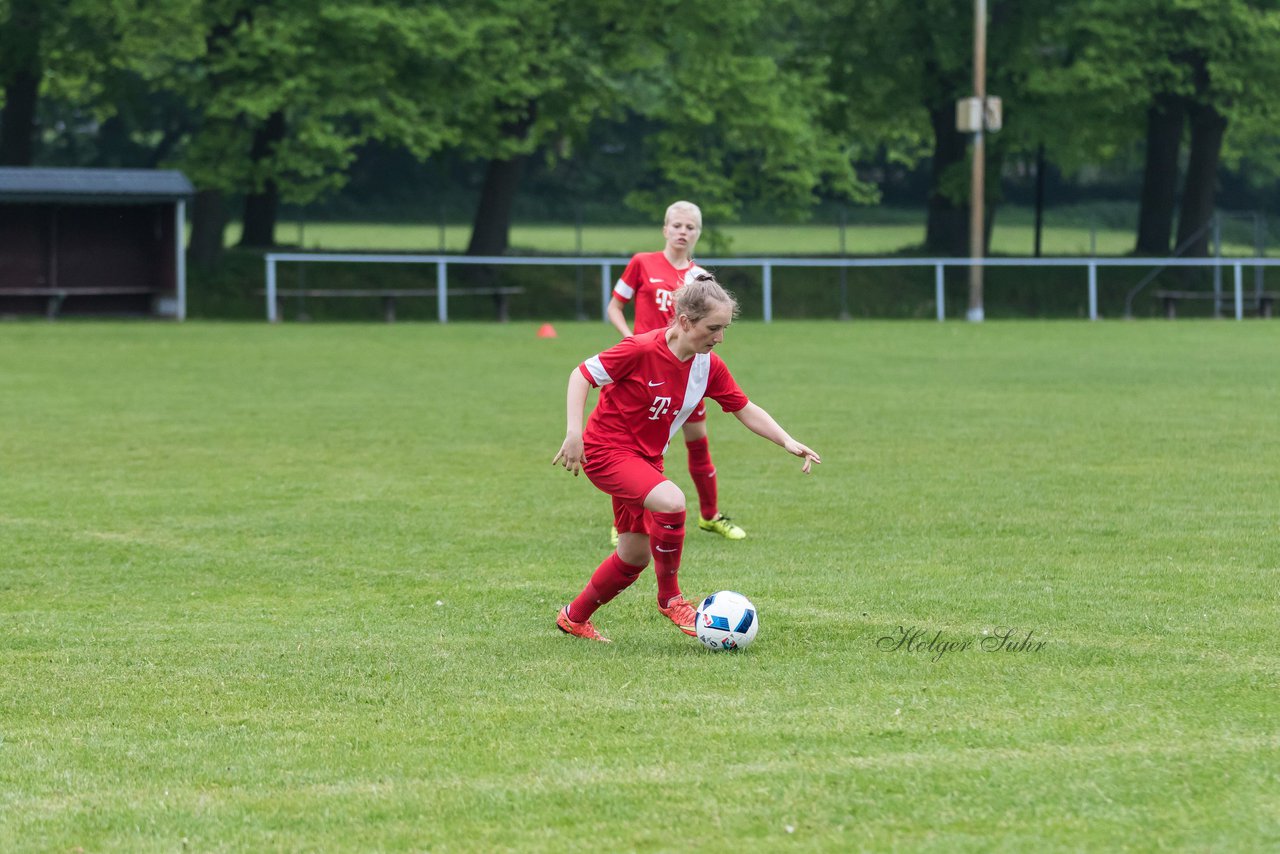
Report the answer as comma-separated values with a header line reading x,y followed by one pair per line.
x,y
1160,176
208,222
1039,229
1208,128
18,119
491,231
992,193
260,214
262,206
21,69
947,227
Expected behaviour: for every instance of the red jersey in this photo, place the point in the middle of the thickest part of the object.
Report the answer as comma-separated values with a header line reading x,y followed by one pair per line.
x,y
652,282
646,393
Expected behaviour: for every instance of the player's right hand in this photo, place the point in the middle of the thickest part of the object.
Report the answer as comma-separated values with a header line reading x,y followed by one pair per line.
x,y
571,455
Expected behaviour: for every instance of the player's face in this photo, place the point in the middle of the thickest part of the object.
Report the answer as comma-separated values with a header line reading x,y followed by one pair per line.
x,y
709,331
682,232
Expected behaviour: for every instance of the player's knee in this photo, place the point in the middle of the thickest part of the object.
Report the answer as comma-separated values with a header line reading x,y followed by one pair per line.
x,y
694,430
666,497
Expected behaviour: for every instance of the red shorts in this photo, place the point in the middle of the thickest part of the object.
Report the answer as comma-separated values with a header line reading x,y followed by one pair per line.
x,y
699,414
627,478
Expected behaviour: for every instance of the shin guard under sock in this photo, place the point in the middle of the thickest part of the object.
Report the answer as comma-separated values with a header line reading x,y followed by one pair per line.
x,y
703,472
666,544
610,578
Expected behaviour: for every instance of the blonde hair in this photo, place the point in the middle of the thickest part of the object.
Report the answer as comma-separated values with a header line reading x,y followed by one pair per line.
x,y
683,207
695,298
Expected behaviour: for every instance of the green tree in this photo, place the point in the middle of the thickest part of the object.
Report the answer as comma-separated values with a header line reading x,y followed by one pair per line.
x,y
1232,58
905,64
743,109
287,91
733,103
1163,71
69,51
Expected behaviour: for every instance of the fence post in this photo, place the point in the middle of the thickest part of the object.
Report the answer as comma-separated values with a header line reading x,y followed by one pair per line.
x,y
1239,285
938,278
1217,268
272,316
768,292
605,296
1093,290
442,292
1259,250
180,258
844,268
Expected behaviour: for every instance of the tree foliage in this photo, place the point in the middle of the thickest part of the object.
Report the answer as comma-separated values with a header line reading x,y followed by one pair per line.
x,y
1165,70
775,103
730,97
296,60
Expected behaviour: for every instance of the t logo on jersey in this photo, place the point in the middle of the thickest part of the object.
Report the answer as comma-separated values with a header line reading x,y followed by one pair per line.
x,y
659,408
663,299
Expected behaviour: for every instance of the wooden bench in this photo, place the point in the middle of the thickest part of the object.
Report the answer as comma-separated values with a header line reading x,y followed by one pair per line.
x,y
390,295
1263,303
55,297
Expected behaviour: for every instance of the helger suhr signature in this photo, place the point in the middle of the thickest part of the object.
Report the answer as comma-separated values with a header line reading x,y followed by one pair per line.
x,y
935,645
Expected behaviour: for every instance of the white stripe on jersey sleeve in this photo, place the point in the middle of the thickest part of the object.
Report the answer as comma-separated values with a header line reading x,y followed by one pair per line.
x,y
623,290
597,371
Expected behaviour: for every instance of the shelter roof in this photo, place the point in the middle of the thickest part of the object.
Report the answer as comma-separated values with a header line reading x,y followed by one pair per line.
x,y
93,186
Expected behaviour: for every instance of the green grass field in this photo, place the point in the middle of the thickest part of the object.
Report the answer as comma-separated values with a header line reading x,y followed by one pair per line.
x,y
292,588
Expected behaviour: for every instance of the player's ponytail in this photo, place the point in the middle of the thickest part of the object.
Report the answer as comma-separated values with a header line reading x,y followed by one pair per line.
x,y
695,299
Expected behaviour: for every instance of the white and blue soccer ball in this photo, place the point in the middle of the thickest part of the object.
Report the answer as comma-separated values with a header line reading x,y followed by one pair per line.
x,y
727,620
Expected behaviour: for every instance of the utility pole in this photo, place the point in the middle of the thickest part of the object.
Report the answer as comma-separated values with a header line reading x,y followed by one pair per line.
x,y
978,173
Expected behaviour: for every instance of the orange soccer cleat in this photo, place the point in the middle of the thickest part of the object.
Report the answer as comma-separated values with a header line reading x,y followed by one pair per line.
x,y
682,614
579,630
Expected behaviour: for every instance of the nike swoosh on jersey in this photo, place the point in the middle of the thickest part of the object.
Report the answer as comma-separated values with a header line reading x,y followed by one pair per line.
x,y
652,383
659,281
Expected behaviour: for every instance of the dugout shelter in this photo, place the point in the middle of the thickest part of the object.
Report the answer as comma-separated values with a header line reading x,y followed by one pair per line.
x,y
93,242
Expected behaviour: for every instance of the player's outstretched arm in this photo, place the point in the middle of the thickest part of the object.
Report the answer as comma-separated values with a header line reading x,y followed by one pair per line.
x,y
571,454
762,424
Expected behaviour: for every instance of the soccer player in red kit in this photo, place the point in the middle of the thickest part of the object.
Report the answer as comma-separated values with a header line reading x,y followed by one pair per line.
x,y
650,384
650,282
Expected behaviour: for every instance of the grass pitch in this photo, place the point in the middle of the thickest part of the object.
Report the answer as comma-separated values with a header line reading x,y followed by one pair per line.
x,y
293,589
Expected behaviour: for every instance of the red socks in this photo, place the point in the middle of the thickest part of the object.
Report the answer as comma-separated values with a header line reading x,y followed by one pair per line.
x,y
610,578
703,472
666,544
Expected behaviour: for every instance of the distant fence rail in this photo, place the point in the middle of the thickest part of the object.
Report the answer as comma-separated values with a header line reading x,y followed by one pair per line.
x,y
606,265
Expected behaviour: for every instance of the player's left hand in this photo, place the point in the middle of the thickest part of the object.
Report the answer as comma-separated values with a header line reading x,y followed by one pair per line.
x,y
809,455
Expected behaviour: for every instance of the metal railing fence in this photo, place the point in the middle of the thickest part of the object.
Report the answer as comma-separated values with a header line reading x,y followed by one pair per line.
x,y
606,266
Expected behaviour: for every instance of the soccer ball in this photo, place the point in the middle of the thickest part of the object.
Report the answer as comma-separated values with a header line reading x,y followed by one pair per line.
x,y
727,620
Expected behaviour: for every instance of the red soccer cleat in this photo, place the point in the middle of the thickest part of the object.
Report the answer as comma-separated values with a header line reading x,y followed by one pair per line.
x,y
682,614
579,630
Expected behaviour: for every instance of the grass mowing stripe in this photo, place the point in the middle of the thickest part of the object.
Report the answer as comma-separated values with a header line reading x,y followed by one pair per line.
x,y
292,588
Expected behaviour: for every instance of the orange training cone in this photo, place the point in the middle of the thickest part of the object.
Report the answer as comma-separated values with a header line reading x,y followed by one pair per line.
x,y
546,330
